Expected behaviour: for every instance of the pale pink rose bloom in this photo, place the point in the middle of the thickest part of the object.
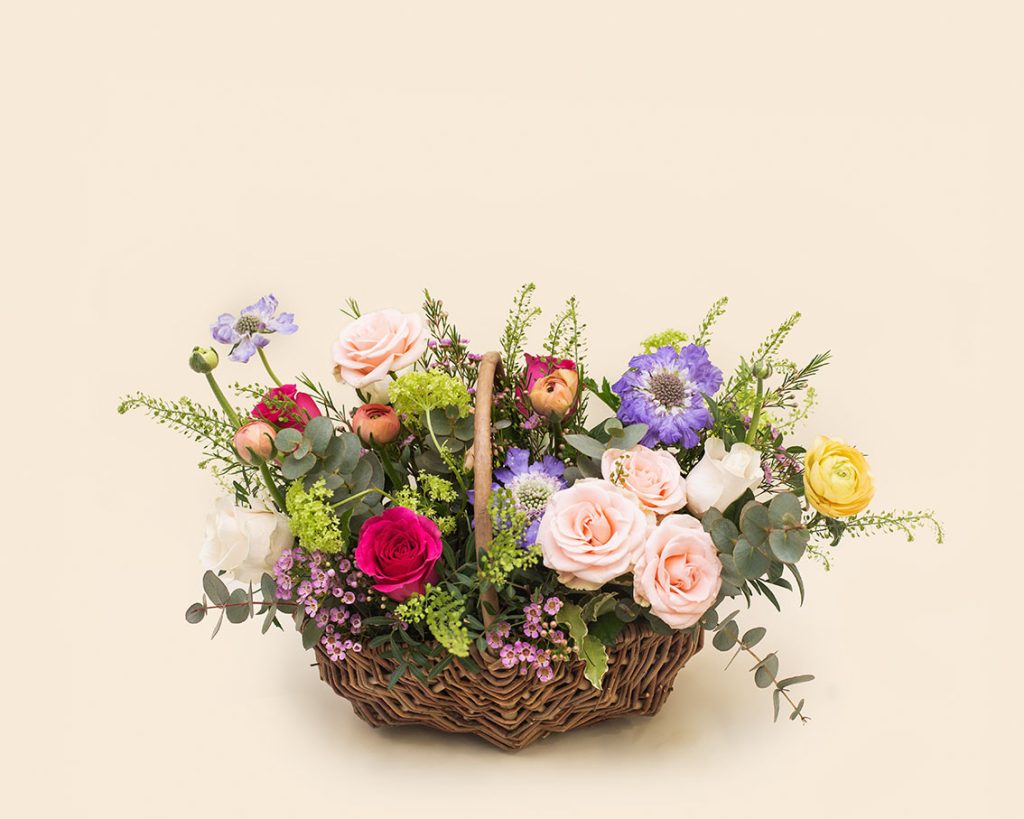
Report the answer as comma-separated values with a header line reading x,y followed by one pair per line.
x,y
652,475
678,573
377,344
592,533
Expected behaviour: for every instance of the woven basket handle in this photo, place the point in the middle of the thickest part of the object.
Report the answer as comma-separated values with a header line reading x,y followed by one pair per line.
x,y
490,366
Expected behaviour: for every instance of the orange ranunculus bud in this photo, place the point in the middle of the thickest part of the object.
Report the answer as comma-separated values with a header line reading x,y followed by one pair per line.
x,y
555,394
257,437
377,421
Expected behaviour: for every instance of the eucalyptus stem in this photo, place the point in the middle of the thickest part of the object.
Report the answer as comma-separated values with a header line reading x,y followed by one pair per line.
x,y
775,682
266,365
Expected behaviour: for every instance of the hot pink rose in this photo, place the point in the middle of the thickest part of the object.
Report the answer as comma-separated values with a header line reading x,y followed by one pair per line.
x,y
285,407
538,367
652,475
399,549
592,533
678,573
376,344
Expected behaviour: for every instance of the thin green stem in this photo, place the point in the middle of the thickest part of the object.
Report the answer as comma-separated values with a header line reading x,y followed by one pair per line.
x,y
266,365
755,417
223,401
446,456
268,479
359,495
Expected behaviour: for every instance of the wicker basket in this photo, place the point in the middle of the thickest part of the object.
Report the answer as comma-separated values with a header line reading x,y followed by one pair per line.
x,y
499,705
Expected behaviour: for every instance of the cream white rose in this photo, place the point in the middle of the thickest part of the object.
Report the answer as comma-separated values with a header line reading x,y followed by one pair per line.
x,y
244,543
722,476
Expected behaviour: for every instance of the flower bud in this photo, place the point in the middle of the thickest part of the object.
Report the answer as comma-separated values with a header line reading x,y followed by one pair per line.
x,y
203,359
555,394
761,369
377,422
256,437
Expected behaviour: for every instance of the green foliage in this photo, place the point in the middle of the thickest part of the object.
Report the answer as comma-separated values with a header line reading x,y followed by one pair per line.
x,y
312,519
906,523
520,317
417,393
765,669
237,606
758,544
589,646
716,311
666,338
444,615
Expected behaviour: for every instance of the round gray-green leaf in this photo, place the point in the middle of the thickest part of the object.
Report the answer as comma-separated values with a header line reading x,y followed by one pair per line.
x,y
195,613
749,562
787,546
785,510
319,432
237,612
755,523
287,440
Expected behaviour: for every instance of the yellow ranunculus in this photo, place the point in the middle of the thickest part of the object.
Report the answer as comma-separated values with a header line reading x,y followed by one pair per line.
x,y
837,479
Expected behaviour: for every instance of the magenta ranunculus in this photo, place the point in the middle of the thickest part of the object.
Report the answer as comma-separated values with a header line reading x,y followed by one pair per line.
x,y
285,407
537,367
399,550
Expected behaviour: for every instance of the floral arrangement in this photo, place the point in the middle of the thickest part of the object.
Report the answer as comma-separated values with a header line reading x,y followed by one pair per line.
x,y
358,524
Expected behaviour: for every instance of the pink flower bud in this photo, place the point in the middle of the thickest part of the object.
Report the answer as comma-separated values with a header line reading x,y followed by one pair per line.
x,y
376,421
555,394
257,437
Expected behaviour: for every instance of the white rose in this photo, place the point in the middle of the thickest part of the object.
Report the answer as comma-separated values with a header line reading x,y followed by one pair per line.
x,y
244,543
721,477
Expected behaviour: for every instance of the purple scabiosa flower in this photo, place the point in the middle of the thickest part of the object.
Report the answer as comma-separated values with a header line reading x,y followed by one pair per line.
x,y
665,390
249,331
530,485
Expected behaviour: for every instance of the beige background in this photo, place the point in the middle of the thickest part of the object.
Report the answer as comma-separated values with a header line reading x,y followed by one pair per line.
x,y
164,162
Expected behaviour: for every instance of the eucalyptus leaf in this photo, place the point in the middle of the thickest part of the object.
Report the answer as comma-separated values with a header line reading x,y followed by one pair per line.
x,y
319,432
350,449
787,546
195,613
215,588
755,523
293,468
749,562
237,612
785,510
799,678
754,636
725,638
586,445
287,440
631,436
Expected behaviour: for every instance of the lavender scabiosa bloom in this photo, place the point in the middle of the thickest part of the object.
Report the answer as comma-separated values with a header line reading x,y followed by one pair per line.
x,y
530,485
665,390
249,331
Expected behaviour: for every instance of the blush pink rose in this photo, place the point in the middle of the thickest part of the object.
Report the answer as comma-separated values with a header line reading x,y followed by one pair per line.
x,y
678,573
652,475
399,550
285,407
592,533
377,344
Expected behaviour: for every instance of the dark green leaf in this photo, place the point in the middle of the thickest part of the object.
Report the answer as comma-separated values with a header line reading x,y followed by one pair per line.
x,y
725,638
598,605
195,613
